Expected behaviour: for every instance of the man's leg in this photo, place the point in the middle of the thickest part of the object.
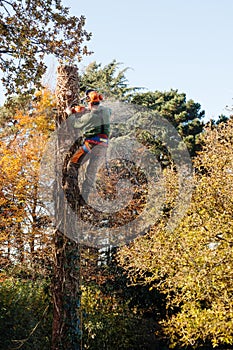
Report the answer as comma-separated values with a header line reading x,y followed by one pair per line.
x,y
97,156
71,180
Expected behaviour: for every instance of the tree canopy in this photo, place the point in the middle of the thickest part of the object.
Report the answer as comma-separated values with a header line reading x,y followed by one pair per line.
x,y
185,116
23,219
31,29
108,79
192,265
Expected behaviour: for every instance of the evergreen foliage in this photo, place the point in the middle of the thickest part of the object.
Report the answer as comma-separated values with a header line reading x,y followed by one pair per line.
x,y
185,116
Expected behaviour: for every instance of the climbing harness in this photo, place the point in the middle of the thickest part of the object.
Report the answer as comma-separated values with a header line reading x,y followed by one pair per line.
x,y
88,146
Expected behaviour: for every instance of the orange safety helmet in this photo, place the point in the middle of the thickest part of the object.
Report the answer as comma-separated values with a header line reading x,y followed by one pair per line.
x,y
93,97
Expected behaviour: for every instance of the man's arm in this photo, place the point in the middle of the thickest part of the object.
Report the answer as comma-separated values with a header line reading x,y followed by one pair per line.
x,y
78,116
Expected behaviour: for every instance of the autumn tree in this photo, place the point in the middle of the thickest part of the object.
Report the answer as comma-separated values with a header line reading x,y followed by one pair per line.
x,y
29,31
192,265
23,220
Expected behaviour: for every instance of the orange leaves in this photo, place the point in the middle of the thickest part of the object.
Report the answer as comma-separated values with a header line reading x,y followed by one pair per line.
x,y
21,153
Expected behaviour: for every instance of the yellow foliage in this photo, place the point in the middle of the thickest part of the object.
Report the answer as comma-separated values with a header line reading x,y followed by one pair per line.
x,y
21,150
193,265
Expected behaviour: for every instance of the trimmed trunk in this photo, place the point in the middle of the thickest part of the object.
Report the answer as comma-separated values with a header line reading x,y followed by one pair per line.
x,y
66,284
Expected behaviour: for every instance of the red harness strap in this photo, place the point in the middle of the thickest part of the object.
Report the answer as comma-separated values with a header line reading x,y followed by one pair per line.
x,y
98,139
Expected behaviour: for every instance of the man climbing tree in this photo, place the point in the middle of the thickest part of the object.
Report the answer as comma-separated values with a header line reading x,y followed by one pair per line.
x,y
95,122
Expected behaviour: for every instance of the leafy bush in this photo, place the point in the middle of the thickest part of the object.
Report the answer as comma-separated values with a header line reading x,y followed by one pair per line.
x,y
25,318
109,323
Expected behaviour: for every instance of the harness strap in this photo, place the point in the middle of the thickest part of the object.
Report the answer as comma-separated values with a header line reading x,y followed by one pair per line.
x,y
98,139
86,147
88,144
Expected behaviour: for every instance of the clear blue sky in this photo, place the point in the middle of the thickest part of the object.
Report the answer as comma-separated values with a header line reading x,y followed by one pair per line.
x,y
179,44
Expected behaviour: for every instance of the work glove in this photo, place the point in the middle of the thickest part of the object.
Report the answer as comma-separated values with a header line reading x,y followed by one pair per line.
x,y
75,109
69,110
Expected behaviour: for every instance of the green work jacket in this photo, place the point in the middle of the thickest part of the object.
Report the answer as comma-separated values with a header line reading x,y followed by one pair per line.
x,y
95,122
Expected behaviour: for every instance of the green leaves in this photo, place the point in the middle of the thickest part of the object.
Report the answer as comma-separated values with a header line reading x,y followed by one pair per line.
x,y
109,80
29,31
25,317
186,116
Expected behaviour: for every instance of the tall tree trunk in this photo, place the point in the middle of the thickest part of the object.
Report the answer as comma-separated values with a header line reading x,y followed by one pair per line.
x,y
66,284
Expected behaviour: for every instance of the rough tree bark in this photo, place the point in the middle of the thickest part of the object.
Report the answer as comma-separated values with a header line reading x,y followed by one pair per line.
x,y
66,283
